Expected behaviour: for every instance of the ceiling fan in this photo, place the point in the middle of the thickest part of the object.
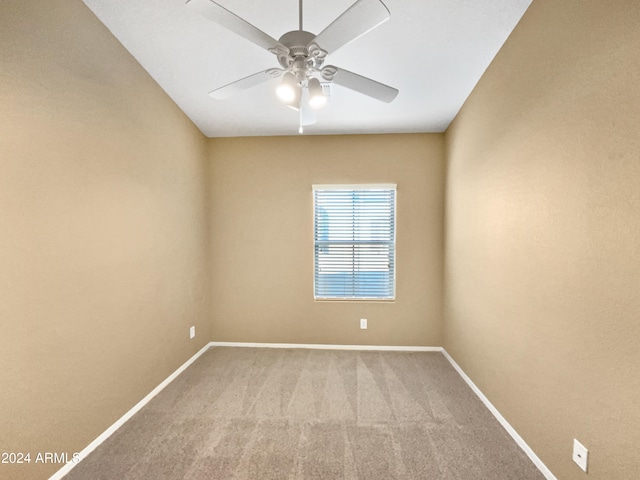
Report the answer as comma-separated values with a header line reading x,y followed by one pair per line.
x,y
302,54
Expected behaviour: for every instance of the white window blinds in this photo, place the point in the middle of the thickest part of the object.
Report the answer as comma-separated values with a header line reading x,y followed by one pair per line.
x,y
354,241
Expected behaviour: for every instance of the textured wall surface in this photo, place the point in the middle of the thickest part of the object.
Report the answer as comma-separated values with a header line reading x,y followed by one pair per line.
x,y
543,234
103,245
262,213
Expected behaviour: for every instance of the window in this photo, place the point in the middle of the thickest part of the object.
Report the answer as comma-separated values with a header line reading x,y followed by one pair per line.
x,y
354,241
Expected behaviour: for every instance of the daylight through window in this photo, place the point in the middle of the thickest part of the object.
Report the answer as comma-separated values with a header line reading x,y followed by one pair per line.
x,y
354,241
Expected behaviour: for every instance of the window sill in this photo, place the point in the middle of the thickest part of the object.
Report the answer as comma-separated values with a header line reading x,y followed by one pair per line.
x,y
355,300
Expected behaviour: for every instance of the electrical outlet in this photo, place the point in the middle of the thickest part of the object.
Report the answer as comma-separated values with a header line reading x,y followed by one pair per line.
x,y
580,454
192,332
363,323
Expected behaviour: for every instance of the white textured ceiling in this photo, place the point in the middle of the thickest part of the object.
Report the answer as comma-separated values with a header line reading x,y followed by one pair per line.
x,y
433,51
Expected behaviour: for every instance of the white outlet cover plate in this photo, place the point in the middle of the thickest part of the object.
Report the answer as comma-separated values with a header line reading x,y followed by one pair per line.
x,y
363,323
192,332
580,454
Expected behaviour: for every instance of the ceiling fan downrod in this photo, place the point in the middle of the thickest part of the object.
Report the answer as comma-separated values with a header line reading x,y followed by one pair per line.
x,y
300,14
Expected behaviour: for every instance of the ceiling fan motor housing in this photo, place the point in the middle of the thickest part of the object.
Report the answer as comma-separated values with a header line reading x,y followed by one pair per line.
x,y
297,41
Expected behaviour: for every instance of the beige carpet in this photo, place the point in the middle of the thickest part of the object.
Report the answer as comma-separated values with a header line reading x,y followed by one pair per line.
x,y
246,413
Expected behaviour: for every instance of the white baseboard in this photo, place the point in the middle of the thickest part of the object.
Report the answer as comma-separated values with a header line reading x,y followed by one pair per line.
x,y
327,346
518,439
111,430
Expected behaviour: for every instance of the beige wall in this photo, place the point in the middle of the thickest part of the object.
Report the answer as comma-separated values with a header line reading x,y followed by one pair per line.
x,y
103,245
262,258
543,234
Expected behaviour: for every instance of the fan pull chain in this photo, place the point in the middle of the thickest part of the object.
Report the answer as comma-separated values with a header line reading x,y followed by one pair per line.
x,y
300,130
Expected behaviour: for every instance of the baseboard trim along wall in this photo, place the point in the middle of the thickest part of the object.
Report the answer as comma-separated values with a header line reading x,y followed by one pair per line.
x,y
118,423
137,407
320,346
503,421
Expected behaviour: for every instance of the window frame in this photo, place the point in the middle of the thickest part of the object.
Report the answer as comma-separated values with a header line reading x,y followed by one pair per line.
x,y
394,243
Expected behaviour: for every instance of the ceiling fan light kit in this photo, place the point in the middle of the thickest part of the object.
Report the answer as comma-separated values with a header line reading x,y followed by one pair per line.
x,y
288,88
317,99
302,54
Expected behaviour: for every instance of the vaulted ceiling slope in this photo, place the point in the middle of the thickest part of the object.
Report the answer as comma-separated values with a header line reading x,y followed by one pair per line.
x,y
432,51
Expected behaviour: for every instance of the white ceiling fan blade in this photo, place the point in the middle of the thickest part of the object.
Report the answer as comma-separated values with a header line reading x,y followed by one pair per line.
x,y
245,83
360,18
364,85
229,20
308,115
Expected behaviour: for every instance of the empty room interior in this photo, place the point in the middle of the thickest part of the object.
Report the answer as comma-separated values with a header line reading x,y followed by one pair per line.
x,y
138,240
